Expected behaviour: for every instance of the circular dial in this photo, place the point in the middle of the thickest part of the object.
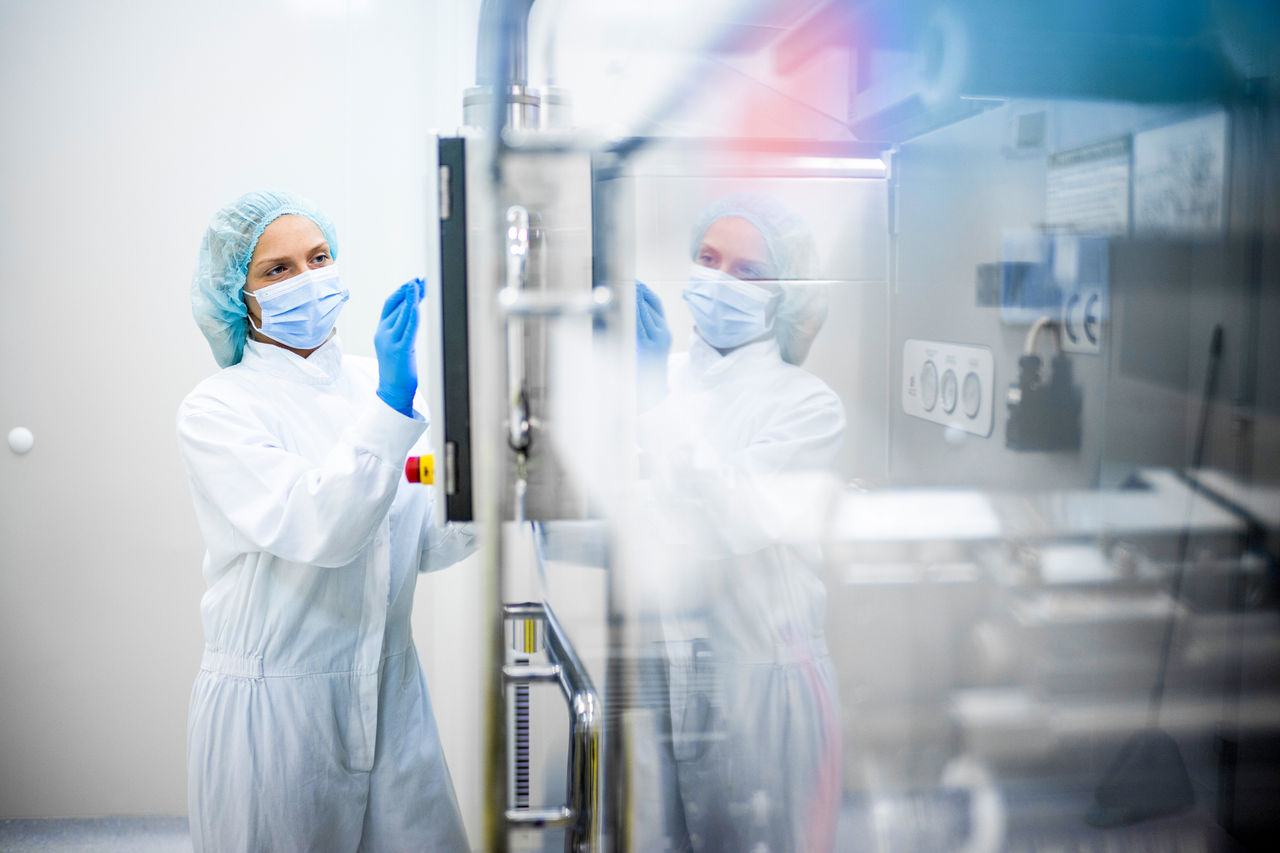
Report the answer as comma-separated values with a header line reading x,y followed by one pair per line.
x,y
950,390
971,394
929,386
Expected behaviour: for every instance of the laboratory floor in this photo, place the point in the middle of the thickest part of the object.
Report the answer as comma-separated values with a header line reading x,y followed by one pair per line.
x,y
922,826
1033,819
96,835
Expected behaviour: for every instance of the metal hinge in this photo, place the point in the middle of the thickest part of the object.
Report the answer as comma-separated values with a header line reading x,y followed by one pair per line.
x,y
450,468
445,210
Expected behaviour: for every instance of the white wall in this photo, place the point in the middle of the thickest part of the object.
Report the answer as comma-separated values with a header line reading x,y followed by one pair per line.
x,y
124,125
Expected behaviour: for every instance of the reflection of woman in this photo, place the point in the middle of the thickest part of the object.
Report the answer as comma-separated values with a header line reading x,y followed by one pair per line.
x,y
310,725
755,728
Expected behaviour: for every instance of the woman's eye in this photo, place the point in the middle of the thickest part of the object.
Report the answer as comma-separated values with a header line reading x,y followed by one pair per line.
x,y
276,270
321,258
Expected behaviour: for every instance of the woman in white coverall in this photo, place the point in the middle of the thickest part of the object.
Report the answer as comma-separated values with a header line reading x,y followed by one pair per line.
x,y
310,725
755,728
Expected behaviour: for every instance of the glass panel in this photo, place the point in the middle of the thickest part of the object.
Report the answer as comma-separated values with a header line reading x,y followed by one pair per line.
x,y
1007,616
947,517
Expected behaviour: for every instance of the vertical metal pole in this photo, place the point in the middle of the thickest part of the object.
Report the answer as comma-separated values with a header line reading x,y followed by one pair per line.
x,y
495,737
620,675
490,463
490,457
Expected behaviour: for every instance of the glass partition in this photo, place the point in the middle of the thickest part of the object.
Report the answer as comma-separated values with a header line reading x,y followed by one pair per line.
x,y
945,415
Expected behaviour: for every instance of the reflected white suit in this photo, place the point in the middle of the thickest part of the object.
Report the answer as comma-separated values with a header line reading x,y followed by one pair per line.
x,y
310,724
754,714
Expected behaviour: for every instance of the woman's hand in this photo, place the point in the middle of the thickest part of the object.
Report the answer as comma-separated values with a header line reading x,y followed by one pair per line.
x,y
394,340
653,338
653,345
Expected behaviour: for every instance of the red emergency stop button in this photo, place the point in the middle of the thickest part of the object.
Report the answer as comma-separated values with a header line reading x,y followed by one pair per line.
x,y
420,469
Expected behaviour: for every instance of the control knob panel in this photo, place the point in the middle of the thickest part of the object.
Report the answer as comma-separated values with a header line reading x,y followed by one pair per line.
x,y
949,384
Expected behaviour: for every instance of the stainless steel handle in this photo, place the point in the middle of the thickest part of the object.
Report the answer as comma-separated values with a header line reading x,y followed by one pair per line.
x,y
529,674
517,246
582,813
519,427
539,818
529,303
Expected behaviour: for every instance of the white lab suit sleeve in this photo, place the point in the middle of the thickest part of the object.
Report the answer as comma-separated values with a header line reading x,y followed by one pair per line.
x,y
805,437
280,503
732,497
444,546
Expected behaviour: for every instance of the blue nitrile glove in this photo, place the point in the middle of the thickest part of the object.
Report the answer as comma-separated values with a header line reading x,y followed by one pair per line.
x,y
397,331
653,345
653,339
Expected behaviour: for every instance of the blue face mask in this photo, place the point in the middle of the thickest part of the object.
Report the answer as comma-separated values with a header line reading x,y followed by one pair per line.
x,y
300,312
728,312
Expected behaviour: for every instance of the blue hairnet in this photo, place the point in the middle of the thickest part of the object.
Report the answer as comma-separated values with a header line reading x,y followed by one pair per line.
x,y
803,307
223,263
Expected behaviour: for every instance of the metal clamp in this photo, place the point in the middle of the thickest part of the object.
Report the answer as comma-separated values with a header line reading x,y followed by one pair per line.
x,y
581,814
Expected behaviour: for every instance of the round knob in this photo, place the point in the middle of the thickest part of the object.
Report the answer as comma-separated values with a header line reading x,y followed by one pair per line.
x,y
972,394
950,391
21,439
929,386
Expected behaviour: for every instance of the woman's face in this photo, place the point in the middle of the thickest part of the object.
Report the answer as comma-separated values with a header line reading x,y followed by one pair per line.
x,y
733,245
290,245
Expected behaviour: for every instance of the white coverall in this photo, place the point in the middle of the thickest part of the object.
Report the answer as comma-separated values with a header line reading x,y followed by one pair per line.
x,y
310,725
755,728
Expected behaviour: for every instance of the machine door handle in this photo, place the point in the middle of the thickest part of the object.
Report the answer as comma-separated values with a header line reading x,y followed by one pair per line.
x,y
519,429
581,814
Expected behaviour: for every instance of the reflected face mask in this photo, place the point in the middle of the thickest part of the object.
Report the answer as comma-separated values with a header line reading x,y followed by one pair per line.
x,y
300,312
728,312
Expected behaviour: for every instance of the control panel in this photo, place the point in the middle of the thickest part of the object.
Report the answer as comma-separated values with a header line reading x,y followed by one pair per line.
x,y
949,384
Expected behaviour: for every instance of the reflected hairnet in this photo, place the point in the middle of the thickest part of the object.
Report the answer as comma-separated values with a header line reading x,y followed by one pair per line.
x,y
223,263
800,315
791,250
